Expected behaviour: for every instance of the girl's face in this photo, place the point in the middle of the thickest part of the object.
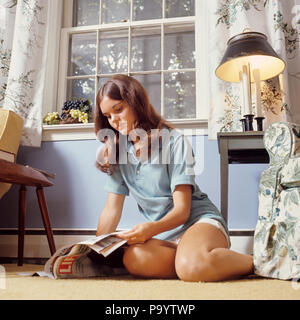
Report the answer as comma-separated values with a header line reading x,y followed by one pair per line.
x,y
119,114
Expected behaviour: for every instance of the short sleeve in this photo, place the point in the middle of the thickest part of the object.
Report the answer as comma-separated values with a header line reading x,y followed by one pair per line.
x,y
182,161
116,184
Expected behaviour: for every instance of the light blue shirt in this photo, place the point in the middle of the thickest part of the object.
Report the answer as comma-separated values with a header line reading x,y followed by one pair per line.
x,y
152,184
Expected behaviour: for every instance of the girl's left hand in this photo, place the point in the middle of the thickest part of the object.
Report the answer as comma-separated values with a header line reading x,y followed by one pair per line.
x,y
138,234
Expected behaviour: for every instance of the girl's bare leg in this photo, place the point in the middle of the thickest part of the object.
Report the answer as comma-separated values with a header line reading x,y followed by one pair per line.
x,y
152,259
203,255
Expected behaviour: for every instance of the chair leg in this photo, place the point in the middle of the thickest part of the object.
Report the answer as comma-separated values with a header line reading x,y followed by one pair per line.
x,y
21,231
44,211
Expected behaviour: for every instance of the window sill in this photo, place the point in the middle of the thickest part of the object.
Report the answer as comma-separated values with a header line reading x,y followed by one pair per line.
x,y
64,132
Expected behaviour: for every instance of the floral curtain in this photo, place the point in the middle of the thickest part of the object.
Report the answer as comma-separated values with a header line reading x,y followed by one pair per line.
x,y
23,50
279,20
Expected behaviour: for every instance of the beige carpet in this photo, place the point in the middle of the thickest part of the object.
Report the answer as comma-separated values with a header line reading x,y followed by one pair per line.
x,y
14,286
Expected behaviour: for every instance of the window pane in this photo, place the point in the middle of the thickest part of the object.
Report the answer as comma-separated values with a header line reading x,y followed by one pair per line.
x,y
145,51
180,95
145,9
113,49
180,50
152,84
115,10
85,12
83,54
81,88
180,8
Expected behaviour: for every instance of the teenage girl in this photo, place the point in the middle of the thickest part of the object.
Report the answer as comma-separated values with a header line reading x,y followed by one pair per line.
x,y
185,236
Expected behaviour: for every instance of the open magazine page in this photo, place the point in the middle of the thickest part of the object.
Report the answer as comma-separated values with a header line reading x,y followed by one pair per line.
x,y
110,242
111,248
78,260
98,239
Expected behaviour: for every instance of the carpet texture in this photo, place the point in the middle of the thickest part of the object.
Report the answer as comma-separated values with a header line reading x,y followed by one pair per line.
x,y
14,286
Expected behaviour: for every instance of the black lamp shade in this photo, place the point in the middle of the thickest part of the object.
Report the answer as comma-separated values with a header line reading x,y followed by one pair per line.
x,y
249,48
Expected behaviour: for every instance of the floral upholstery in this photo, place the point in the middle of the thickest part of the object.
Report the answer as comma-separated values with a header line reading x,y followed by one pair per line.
x,y
277,233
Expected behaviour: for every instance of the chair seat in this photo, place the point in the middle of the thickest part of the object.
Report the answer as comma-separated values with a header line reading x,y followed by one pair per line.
x,y
27,176
19,174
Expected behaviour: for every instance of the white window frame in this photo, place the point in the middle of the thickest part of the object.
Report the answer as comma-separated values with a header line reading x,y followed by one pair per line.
x,y
196,126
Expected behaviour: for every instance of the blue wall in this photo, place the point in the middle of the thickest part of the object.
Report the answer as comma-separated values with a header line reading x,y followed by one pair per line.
x,y
77,197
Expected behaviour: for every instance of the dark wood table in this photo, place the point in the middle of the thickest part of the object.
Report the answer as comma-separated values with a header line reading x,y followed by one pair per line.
x,y
26,176
238,147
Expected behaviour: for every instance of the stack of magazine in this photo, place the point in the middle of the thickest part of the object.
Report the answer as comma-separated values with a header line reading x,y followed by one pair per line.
x,y
96,257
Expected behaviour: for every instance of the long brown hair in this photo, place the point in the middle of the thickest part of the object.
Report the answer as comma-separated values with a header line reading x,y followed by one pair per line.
x,y
127,89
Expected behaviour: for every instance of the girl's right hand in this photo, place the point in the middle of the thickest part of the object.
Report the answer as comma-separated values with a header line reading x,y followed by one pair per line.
x,y
139,233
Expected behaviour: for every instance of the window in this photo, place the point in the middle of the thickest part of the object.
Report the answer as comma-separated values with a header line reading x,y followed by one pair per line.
x,y
151,40
159,42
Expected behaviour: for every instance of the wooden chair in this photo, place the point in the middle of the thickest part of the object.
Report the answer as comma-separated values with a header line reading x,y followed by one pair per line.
x,y
26,176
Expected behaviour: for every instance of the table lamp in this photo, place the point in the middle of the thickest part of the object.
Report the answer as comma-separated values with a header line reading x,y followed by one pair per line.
x,y
250,58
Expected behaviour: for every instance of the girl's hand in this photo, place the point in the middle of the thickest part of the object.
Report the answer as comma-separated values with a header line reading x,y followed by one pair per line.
x,y
139,233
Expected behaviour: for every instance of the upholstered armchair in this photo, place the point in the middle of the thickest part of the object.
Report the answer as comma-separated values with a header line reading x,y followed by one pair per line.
x,y
277,233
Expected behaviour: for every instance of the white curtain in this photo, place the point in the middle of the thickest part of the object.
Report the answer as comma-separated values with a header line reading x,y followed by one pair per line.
x,y
25,30
278,20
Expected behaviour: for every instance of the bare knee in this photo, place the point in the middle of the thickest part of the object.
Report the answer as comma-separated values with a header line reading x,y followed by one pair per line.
x,y
134,259
150,260
195,268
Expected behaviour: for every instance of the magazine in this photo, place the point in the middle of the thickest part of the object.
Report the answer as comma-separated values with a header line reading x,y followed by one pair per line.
x,y
96,257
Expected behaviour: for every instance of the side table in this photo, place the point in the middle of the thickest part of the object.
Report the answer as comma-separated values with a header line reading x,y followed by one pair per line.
x,y
238,147
27,176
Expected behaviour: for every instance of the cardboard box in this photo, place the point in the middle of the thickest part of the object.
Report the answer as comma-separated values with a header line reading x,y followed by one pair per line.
x,y
11,126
